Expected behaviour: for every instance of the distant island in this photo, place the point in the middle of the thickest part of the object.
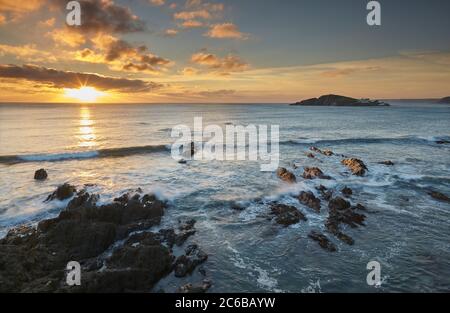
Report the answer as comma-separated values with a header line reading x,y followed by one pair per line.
x,y
340,101
445,100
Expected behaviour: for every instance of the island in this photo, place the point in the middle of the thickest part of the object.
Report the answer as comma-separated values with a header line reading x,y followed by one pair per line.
x,y
340,101
445,100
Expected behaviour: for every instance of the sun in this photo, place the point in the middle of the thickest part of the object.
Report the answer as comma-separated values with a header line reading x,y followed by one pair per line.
x,y
84,94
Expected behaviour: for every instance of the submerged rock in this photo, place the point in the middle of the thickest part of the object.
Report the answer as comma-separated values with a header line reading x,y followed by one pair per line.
x,y
439,196
347,192
325,152
40,174
314,172
356,166
196,288
287,215
63,192
310,200
322,240
387,163
286,176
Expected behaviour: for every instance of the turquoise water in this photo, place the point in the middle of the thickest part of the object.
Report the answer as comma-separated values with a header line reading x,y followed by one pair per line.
x,y
122,147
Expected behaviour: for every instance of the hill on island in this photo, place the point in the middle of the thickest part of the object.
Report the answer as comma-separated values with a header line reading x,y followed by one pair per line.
x,y
336,100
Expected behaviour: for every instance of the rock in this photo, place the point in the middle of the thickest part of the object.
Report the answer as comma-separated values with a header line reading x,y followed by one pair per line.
x,y
187,263
40,174
182,162
311,155
445,100
341,101
314,172
286,215
439,196
338,204
196,288
286,176
326,194
347,192
356,166
237,206
34,259
324,152
442,142
323,241
63,192
387,163
310,200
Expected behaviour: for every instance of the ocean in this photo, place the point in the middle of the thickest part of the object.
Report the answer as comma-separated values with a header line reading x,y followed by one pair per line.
x,y
114,148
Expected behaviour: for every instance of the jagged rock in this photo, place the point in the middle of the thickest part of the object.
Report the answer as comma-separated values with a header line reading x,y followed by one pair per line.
x,y
63,192
326,194
34,259
347,192
310,200
439,196
196,288
186,264
339,204
314,172
287,215
356,166
325,152
40,174
323,241
286,176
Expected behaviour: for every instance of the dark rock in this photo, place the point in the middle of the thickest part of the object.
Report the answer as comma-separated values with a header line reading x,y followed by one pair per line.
x,y
324,152
347,192
196,288
311,155
387,163
323,241
186,264
314,172
237,206
445,100
33,260
326,194
63,192
286,176
182,162
439,196
341,101
356,166
443,142
40,174
286,215
310,200
339,204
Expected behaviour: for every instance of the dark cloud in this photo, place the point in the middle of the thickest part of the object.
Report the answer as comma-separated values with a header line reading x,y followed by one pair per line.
x,y
104,16
66,79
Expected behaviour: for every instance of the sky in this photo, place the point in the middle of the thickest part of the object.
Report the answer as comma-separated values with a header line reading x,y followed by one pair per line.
x,y
220,51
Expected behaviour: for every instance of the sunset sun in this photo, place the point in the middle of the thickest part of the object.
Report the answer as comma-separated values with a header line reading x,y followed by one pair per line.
x,y
84,94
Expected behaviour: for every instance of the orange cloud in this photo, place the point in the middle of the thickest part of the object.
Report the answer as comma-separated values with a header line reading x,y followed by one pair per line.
x,y
157,3
190,15
225,30
67,37
191,24
226,65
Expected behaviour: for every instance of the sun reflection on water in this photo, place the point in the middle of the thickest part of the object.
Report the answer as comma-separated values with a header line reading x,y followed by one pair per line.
x,y
86,131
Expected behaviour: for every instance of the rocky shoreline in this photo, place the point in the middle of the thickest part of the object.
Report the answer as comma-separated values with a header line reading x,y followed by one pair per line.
x,y
340,101
119,250
112,243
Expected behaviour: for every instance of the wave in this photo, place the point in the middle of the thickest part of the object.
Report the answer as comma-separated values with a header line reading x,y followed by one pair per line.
x,y
102,153
405,139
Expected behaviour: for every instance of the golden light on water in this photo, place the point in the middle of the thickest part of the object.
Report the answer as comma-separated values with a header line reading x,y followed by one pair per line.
x,y
86,132
84,94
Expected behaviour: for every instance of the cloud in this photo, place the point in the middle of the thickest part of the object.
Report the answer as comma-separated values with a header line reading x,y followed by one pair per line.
x,y
225,31
339,72
190,15
157,3
65,79
171,32
104,16
225,65
28,53
2,19
191,24
67,37
48,23
121,55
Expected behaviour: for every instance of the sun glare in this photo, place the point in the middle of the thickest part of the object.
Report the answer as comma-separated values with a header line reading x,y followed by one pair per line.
x,y
84,94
